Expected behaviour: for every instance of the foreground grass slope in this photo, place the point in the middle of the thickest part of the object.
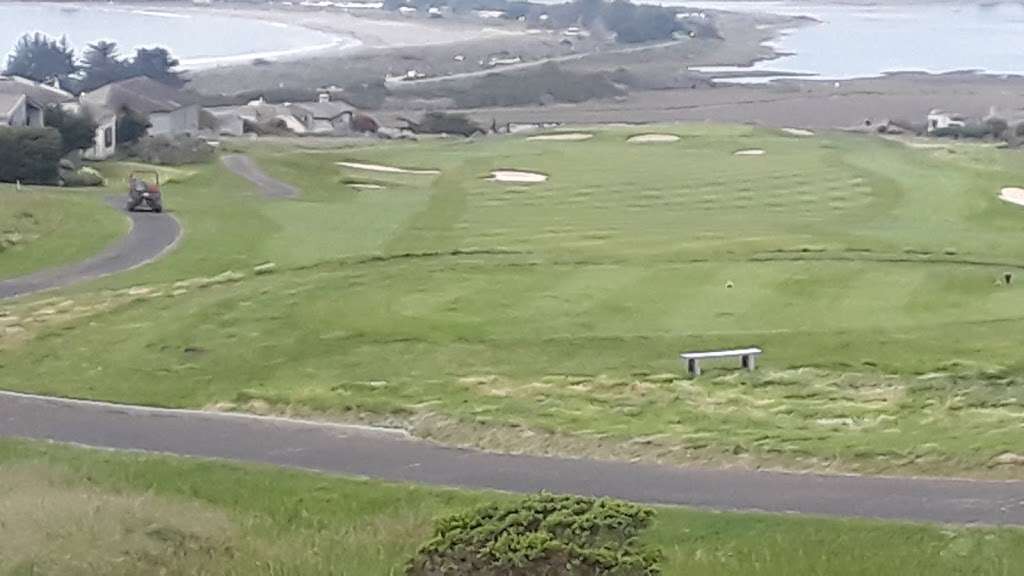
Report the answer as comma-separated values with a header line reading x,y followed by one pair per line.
x,y
42,227
548,317
76,511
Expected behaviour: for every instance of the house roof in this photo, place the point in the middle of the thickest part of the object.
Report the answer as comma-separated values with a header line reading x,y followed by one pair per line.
x,y
140,94
37,93
323,110
8,104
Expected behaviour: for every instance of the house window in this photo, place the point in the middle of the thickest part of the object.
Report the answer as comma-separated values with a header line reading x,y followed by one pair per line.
x,y
108,137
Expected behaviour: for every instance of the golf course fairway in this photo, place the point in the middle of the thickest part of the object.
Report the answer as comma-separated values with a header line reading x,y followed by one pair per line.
x,y
548,316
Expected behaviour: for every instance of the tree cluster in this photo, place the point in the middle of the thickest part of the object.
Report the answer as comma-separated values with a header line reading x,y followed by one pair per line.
x,y
44,59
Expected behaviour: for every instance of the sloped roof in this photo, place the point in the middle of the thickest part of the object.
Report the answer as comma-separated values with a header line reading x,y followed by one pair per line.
x,y
324,110
38,94
140,94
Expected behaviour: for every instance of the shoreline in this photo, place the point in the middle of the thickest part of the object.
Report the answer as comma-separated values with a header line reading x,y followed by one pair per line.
x,y
351,30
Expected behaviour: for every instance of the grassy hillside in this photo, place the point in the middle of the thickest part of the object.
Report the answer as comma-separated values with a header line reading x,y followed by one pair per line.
x,y
548,317
75,511
42,227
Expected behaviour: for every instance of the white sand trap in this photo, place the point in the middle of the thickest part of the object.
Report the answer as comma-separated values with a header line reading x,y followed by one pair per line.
x,y
1012,195
751,152
798,132
517,176
563,137
388,169
652,138
366,186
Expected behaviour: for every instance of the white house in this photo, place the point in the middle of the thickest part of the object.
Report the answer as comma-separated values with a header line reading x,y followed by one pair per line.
x,y
940,119
105,139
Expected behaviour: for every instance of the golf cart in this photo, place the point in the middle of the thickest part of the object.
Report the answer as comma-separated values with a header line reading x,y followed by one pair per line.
x,y
144,188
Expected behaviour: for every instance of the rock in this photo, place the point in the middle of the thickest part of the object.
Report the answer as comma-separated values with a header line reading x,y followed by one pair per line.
x,y
266,268
1008,459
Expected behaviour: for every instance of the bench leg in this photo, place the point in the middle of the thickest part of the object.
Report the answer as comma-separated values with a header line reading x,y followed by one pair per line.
x,y
694,365
748,361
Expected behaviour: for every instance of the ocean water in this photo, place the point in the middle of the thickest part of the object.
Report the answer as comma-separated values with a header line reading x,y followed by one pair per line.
x,y
195,38
855,40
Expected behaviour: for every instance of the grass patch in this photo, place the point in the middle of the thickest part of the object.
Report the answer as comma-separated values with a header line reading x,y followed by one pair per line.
x,y
73,511
43,227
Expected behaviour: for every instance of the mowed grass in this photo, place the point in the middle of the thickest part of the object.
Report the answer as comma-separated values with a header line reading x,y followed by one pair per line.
x,y
42,227
76,511
549,317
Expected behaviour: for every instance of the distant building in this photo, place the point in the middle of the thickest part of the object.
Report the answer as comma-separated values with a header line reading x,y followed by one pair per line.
x,y
170,111
23,102
940,119
13,111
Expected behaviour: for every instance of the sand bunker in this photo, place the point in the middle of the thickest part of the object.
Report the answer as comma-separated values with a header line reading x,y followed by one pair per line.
x,y
563,137
1013,195
517,176
388,169
798,132
366,186
652,138
751,152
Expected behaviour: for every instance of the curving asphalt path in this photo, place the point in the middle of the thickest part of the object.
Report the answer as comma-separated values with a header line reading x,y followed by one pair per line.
x,y
392,455
245,167
151,236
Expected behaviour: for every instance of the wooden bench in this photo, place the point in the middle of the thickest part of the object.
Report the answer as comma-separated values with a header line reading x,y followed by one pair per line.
x,y
748,358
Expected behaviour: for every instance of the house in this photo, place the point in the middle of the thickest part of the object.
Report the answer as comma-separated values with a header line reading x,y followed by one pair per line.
x,y
323,116
170,111
23,102
105,139
939,120
13,111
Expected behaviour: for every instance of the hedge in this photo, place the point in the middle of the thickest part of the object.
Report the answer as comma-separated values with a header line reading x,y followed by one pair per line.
x,y
29,155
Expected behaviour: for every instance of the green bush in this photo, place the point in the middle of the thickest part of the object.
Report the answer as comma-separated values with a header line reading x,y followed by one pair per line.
x,y
131,126
171,150
445,123
541,535
82,178
77,129
29,155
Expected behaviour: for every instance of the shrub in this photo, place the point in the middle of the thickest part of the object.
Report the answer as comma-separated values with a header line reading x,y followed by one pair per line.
x,y
997,125
77,130
131,126
82,178
171,150
29,155
364,124
445,123
541,535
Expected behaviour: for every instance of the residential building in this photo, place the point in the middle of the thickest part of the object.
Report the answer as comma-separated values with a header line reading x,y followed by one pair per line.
x,y
170,111
23,102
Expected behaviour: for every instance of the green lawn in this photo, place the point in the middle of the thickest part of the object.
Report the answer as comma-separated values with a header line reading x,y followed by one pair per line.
x,y
43,227
549,317
76,511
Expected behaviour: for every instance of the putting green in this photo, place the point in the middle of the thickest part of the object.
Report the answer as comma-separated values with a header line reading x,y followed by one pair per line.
x,y
452,304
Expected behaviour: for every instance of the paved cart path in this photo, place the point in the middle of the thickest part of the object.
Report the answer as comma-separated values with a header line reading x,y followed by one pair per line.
x,y
152,235
392,455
